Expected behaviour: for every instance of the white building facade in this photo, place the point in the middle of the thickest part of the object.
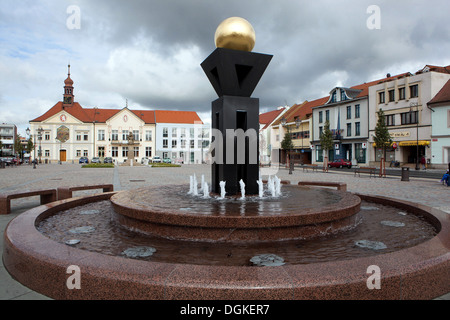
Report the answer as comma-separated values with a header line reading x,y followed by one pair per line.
x,y
409,120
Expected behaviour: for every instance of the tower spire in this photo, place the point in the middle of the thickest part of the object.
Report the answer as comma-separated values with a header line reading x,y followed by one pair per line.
x,y
68,96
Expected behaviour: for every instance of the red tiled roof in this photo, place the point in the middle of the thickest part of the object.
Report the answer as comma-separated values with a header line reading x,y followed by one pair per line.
x,y
435,69
169,116
268,117
102,115
443,95
365,86
302,111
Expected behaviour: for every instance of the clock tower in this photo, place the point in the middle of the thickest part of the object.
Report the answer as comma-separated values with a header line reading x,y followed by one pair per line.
x,y
68,97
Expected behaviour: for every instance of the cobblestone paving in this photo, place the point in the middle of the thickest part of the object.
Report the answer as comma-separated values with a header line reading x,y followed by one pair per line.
x,y
425,191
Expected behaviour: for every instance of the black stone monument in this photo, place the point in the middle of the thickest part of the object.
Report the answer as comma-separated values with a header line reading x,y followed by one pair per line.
x,y
234,75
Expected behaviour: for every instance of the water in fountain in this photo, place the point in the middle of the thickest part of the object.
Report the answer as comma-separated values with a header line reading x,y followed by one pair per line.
x,y
242,184
202,184
260,188
205,190
222,189
277,185
191,185
195,188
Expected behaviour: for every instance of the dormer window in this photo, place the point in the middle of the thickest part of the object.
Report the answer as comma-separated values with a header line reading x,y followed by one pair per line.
x,y
333,97
343,95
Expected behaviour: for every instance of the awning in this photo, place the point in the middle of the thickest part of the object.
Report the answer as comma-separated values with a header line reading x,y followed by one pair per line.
x,y
408,143
413,143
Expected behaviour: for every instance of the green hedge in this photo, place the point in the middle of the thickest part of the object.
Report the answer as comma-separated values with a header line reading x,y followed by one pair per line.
x,y
98,165
162,164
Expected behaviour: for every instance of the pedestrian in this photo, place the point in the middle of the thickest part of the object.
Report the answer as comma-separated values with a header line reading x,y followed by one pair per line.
x,y
445,178
423,162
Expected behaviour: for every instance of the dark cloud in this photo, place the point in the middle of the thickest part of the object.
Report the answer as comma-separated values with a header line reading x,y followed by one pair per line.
x,y
149,51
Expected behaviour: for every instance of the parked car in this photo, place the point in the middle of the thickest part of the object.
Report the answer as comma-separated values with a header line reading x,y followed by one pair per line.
x,y
340,164
108,160
157,159
167,160
83,160
96,160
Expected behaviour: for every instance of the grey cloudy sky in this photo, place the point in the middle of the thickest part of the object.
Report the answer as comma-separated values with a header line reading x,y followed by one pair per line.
x,y
149,52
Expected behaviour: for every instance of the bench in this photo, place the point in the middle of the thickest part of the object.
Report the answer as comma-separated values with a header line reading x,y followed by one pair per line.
x,y
313,167
47,196
338,185
370,171
66,192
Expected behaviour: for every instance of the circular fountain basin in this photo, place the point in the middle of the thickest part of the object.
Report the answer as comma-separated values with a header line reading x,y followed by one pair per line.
x,y
42,264
300,213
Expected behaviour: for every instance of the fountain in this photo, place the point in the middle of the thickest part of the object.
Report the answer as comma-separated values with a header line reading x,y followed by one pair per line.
x,y
296,243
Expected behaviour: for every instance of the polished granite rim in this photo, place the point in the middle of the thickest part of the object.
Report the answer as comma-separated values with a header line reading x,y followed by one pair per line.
x,y
419,272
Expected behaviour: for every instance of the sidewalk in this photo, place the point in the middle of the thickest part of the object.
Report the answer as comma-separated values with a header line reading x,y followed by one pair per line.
x,y
426,191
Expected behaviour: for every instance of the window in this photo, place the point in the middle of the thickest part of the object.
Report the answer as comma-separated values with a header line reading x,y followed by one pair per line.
x,y
78,136
174,143
165,143
101,152
191,132
148,135
165,132
148,152
136,152
319,153
349,112
401,93
183,133
183,144
381,97
115,135
349,129
115,152
390,120
357,111
414,91
357,128
85,153
46,153
101,135
192,144
320,131
327,115
124,134
136,135
320,116
125,152
343,96
409,117
47,136
174,132
391,95
333,97
85,136
78,152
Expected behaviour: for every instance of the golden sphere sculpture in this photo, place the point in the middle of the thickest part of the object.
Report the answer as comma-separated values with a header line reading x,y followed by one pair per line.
x,y
235,33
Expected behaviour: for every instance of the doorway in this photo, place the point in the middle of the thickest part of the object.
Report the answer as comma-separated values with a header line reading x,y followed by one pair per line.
x,y
62,155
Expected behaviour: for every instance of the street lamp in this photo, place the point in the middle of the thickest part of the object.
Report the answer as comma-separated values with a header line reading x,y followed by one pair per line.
x,y
28,131
415,104
40,130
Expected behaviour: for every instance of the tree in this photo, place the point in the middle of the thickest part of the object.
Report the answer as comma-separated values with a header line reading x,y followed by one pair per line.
x,y
18,147
287,145
326,142
382,139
